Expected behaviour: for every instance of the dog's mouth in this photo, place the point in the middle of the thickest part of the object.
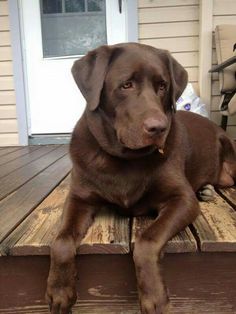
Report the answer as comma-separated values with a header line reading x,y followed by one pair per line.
x,y
147,149
143,150
151,146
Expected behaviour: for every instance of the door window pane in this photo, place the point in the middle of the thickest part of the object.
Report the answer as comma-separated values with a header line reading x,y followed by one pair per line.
x,y
95,5
78,28
75,5
52,6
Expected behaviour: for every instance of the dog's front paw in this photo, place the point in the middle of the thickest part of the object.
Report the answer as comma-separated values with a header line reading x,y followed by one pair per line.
x,y
154,305
60,298
206,193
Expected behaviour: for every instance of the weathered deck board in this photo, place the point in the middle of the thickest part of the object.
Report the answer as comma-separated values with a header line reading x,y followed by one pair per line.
x,y
25,159
108,235
216,226
17,206
18,153
182,242
37,231
14,180
33,197
8,150
229,194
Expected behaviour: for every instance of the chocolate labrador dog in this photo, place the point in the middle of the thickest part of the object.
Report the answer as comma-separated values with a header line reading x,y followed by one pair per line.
x,y
132,152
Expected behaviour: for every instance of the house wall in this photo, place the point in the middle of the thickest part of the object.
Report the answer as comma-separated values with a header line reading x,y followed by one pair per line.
x,y
224,12
175,25
8,120
172,25
169,24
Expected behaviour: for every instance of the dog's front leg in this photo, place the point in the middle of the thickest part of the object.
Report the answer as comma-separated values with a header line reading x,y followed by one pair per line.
x,y
175,214
61,286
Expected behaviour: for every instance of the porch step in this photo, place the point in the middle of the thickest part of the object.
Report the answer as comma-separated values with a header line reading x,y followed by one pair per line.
x,y
30,215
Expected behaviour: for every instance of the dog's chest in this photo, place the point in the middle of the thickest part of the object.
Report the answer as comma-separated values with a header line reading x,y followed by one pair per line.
x,y
122,186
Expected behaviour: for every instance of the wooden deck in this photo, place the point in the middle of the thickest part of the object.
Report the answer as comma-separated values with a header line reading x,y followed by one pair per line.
x,y
34,181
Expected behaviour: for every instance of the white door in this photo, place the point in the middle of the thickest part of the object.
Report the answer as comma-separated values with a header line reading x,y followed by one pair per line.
x,y
55,34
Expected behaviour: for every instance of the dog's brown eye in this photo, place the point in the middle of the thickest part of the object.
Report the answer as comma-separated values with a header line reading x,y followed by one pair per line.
x,y
162,86
127,85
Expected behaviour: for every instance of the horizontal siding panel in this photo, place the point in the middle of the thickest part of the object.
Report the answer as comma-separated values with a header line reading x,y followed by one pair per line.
x,y
192,74
164,30
5,38
216,117
4,8
4,23
225,7
166,3
215,101
7,112
9,139
179,44
6,83
187,59
215,76
7,97
5,53
6,68
215,88
223,20
8,126
160,15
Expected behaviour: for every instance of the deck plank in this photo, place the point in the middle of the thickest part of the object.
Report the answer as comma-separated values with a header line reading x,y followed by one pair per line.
x,y
182,242
17,154
216,226
24,160
229,194
17,206
8,150
14,180
109,233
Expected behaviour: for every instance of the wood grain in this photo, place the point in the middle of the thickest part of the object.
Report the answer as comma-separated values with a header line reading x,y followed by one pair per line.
x,y
17,206
182,242
8,150
216,226
109,233
14,180
17,154
201,283
229,195
25,159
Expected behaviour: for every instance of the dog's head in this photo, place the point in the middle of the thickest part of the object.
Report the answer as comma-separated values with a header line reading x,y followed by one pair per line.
x,y
136,87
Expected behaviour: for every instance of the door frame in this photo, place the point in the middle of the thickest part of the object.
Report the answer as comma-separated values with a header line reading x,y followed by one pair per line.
x,y
20,79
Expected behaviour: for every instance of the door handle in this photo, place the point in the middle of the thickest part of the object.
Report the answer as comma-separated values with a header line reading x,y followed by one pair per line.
x,y
120,5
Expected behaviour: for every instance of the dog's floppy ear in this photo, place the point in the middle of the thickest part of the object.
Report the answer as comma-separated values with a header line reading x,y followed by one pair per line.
x,y
179,79
89,73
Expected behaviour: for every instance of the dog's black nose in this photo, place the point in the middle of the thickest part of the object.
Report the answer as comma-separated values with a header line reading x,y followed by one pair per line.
x,y
153,126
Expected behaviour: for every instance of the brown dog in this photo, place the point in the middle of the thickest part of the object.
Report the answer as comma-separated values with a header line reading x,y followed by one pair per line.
x,y
131,152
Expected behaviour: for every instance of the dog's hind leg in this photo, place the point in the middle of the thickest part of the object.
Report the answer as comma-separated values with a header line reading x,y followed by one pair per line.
x,y
207,193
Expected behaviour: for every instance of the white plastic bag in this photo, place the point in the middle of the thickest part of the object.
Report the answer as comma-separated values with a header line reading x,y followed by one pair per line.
x,y
189,101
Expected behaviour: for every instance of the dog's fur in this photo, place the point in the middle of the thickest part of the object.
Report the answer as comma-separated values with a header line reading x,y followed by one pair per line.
x,y
133,153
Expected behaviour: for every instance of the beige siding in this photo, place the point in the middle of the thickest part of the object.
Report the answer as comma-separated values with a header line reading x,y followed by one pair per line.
x,y
8,121
172,25
224,12
175,25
